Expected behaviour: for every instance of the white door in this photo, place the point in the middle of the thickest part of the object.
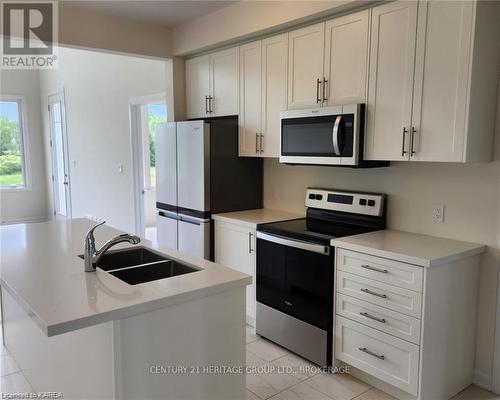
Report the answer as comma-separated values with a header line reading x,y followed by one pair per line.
x,y
193,166
166,225
59,155
224,82
274,91
250,99
441,77
197,86
305,68
194,237
346,58
235,248
390,85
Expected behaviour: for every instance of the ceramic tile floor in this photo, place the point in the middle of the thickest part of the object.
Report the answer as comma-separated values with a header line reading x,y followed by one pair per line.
x,y
294,384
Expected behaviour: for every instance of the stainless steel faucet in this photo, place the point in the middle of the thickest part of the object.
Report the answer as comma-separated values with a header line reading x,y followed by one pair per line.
x,y
91,256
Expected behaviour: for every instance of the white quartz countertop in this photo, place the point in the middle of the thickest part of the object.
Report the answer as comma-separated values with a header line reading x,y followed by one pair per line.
x,y
252,218
41,269
412,248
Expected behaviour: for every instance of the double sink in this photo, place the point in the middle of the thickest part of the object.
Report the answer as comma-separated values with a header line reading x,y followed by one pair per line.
x,y
137,265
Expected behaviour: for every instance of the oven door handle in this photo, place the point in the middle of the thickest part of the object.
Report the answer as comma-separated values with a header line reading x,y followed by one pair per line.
x,y
335,135
298,244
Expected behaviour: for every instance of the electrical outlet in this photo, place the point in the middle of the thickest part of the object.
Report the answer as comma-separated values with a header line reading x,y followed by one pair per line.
x,y
438,213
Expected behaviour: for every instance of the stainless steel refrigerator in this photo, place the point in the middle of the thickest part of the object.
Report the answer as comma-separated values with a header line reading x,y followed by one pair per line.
x,y
198,172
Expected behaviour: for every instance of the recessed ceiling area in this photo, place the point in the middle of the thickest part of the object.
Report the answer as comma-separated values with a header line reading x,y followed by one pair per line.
x,y
166,13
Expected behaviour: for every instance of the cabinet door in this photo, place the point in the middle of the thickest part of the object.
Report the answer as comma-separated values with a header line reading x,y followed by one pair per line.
x,y
305,55
441,77
390,85
250,99
235,248
274,91
346,55
224,82
197,86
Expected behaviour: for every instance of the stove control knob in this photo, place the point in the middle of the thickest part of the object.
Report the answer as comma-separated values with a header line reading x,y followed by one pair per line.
x,y
319,197
371,203
312,196
362,202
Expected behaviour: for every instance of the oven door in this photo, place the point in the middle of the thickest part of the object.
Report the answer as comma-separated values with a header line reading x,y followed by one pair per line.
x,y
295,278
320,136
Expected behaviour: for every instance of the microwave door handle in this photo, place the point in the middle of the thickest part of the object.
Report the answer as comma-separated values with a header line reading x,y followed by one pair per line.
x,y
335,135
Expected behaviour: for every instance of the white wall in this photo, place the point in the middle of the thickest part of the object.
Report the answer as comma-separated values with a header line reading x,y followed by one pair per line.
x,y
246,19
25,205
471,194
98,87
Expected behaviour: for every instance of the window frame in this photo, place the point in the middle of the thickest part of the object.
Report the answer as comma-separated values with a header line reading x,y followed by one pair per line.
x,y
25,155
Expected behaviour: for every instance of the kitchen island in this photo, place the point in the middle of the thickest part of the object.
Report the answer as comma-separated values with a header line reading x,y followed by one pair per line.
x,y
90,335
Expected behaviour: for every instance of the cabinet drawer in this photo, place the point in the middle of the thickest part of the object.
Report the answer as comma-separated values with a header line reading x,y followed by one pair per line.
x,y
381,269
390,359
401,300
391,322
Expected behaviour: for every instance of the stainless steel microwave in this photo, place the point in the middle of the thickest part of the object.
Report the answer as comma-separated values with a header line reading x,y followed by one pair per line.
x,y
325,136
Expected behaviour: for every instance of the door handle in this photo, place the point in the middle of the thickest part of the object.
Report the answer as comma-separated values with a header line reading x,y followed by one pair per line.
x,y
335,135
318,82
210,111
412,141
325,81
256,143
365,314
403,149
384,296
261,144
366,266
250,250
371,353
206,104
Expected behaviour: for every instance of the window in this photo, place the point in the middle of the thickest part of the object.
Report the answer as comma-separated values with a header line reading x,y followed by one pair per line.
x,y
13,171
156,114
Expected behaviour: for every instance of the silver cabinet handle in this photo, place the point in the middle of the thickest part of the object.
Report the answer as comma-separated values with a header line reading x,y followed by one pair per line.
x,y
412,141
384,296
365,314
318,82
335,135
261,144
210,111
256,143
403,150
383,271
365,350
325,81
250,250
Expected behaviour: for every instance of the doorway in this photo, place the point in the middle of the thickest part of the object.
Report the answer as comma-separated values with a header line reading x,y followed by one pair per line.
x,y
146,113
60,160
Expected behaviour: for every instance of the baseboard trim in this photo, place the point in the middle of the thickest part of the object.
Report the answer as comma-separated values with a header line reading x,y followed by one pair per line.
x,y
482,380
24,220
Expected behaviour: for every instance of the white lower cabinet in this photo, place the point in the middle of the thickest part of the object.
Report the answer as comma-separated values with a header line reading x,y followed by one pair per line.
x,y
393,360
235,248
407,329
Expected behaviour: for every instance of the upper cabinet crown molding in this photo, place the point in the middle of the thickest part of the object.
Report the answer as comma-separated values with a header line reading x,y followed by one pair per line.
x,y
212,84
424,81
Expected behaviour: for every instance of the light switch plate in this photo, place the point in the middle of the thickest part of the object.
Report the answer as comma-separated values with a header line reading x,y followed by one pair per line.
x,y
438,213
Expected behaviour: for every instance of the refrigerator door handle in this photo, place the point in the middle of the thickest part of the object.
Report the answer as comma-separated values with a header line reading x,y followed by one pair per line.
x,y
166,214
193,220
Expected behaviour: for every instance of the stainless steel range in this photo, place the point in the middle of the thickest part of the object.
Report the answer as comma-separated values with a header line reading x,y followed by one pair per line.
x,y
295,269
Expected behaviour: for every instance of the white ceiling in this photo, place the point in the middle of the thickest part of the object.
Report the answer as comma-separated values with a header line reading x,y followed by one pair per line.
x,y
161,12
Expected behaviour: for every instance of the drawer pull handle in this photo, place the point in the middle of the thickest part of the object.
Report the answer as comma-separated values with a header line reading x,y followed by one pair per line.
x,y
365,350
383,271
384,296
365,314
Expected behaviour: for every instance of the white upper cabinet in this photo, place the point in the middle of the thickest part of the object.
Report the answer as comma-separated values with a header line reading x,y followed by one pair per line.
x,y
224,82
441,79
197,86
250,99
346,56
305,69
390,91
432,86
212,84
263,95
